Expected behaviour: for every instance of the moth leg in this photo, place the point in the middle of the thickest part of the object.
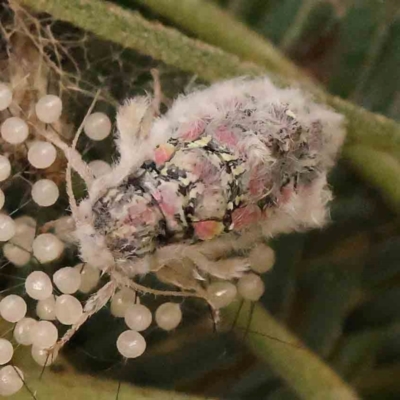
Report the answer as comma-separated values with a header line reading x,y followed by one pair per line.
x,y
96,302
134,120
180,274
134,143
210,257
216,254
227,268
223,246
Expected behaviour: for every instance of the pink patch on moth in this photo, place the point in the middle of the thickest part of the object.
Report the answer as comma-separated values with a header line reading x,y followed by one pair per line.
x,y
194,130
168,208
167,199
168,204
206,230
245,216
144,216
163,153
226,137
206,171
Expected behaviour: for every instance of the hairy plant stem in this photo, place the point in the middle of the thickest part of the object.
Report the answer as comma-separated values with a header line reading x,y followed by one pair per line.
x,y
209,22
302,370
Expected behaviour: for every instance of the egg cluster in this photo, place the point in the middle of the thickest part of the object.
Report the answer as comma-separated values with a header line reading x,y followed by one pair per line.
x,y
56,303
42,154
21,243
55,294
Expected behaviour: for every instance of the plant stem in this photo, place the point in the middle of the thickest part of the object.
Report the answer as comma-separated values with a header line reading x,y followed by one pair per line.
x,y
305,372
130,30
70,384
379,168
213,25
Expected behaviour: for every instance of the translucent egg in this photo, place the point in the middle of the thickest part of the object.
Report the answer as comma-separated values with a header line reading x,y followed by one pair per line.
x,y
19,257
23,331
97,126
131,344
47,247
138,317
45,192
6,351
25,230
48,108
99,168
90,277
168,316
251,287
38,285
46,309
221,294
67,279
64,228
5,168
68,309
13,308
262,258
42,154
2,199
5,96
43,357
18,249
14,130
7,227
11,380
44,334
120,302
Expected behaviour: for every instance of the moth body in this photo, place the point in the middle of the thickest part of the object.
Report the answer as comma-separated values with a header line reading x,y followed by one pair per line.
x,y
195,192
236,155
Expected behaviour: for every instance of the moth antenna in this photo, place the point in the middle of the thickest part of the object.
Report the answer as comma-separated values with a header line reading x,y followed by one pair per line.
x,y
126,282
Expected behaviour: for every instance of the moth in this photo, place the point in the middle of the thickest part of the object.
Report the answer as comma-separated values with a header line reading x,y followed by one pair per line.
x,y
195,192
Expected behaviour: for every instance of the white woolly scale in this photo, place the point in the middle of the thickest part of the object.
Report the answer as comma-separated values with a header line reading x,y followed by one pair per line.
x,y
224,169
